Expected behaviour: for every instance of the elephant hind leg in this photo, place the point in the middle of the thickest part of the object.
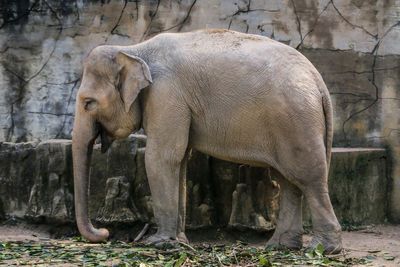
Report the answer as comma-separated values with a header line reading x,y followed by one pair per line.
x,y
326,228
313,183
304,166
289,229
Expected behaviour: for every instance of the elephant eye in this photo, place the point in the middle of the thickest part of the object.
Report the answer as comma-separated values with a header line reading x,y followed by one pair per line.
x,y
90,104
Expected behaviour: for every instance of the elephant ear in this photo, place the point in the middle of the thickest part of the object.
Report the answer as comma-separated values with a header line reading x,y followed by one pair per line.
x,y
133,76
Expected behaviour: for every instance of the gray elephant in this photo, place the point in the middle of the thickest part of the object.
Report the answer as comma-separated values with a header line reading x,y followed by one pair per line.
x,y
238,97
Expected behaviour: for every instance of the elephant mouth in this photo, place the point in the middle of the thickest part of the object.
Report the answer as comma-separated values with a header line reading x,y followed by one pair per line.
x,y
106,139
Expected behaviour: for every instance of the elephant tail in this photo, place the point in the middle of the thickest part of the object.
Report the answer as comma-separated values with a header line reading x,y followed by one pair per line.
x,y
327,107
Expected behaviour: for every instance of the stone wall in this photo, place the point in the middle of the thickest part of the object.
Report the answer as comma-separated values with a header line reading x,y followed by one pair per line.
x,y
36,185
354,44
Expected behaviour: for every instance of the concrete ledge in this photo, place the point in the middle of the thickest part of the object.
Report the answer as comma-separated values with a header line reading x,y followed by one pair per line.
x,y
355,150
36,184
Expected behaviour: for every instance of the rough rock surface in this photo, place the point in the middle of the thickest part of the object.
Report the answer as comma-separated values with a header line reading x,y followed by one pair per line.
x,y
358,188
353,171
117,202
37,185
354,44
17,175
51,196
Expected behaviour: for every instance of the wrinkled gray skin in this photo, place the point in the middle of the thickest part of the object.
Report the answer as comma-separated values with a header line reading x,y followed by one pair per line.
x,y
238,97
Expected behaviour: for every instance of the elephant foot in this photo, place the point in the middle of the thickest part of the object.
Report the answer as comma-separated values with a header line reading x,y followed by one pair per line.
x,y
161,240
287,240
332,243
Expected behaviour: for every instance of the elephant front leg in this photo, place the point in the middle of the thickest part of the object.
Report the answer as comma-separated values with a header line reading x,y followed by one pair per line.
x,y
166,121
167,180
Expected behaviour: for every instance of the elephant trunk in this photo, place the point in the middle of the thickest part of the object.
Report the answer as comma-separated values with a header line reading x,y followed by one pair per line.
x,y
83,138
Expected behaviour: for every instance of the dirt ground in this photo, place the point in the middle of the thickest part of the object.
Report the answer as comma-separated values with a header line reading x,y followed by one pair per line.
x,y
374,243
379,244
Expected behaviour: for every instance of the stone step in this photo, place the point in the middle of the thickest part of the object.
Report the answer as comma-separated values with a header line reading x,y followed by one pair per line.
x,y
36,184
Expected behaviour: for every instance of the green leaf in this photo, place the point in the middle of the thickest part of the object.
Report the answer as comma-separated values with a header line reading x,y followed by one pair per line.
x,y
264,261
309,255
316,262
320,249
181,260
389,258
79,239
253,250
270,247
382,253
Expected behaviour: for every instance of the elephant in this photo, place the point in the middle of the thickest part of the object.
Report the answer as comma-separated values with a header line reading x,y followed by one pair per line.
x,y
238,97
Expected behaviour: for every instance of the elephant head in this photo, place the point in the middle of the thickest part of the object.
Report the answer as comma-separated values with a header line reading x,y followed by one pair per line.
x,y
106,105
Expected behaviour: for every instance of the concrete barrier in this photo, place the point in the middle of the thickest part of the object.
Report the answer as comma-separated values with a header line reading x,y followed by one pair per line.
x,y
36,184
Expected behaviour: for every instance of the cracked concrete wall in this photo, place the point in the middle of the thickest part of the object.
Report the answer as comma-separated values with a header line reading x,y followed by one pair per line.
x,y
354,44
